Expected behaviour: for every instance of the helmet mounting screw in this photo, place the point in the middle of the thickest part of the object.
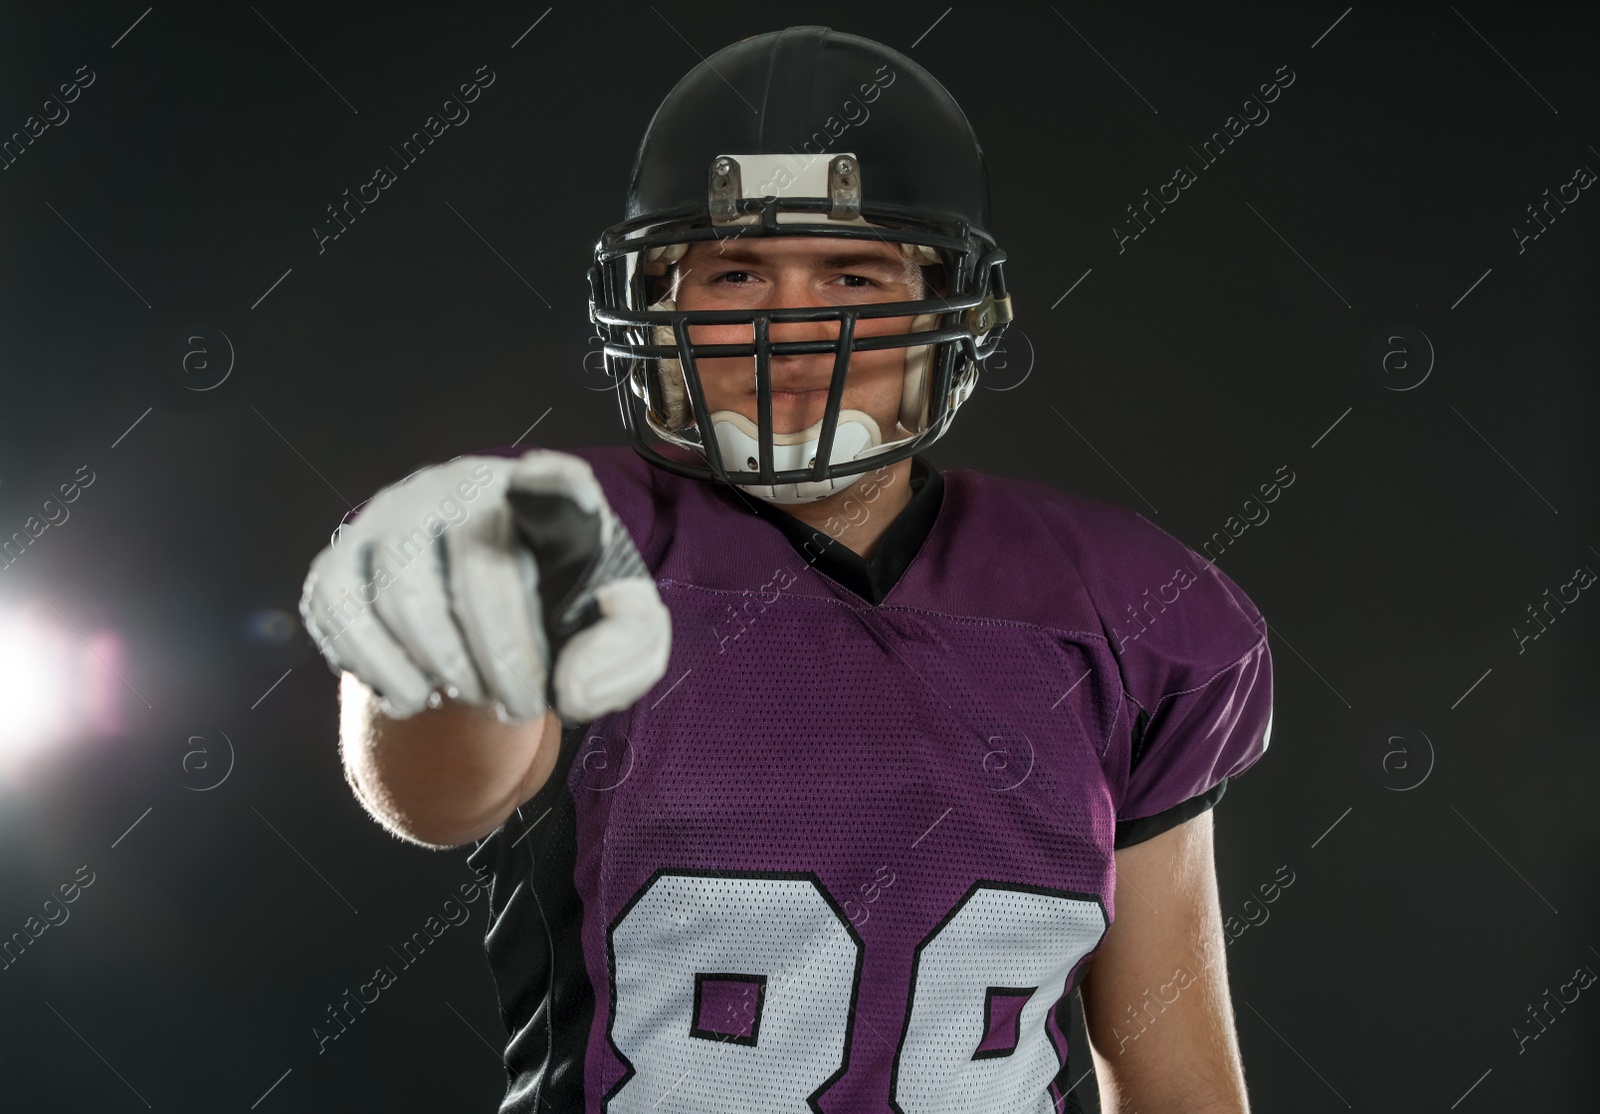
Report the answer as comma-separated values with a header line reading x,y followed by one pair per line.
x,y
725,189
844,188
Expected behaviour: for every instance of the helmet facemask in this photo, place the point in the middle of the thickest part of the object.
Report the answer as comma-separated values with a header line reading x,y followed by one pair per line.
x,y
648,348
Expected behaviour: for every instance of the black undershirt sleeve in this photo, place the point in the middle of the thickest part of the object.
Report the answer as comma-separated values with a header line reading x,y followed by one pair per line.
x,y
1138,830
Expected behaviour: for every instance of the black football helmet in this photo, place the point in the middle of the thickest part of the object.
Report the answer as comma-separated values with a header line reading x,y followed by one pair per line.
x,y
800,132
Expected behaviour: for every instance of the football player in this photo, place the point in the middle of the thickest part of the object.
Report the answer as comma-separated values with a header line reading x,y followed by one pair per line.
x,y
807,776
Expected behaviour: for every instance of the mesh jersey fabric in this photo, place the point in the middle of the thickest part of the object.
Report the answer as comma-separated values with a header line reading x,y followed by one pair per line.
x,y
853,856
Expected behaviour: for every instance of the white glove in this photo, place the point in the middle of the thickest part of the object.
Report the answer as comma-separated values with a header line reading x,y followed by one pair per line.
x,y
469,577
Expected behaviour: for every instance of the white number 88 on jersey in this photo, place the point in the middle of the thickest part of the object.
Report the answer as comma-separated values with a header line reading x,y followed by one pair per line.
x,y
796,961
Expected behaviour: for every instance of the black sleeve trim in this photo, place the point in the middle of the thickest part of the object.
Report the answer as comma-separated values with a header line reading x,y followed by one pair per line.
x,y
1130,832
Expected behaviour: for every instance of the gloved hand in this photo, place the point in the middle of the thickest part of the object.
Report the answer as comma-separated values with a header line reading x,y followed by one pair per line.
x,y
472,576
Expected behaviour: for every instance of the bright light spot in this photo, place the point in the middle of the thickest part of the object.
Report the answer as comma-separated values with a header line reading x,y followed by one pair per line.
x,y
54,686
36,662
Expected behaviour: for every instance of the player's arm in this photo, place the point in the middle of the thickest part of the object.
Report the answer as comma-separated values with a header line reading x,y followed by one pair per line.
x,y
1156,1000
445,776
455,608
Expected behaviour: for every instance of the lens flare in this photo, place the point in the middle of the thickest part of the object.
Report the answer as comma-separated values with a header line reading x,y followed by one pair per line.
x,y
34,661
54,685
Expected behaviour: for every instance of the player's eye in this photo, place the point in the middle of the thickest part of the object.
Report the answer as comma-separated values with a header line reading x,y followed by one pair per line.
x,y
744,278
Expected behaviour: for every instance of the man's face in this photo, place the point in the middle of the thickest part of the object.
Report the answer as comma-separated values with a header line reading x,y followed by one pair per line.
x,y
771,273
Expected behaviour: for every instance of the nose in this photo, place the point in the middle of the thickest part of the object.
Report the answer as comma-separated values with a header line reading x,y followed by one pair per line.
x,y
792,291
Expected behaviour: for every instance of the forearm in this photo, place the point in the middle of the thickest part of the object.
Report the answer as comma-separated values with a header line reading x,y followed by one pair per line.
x,y
1156,999
1167,1042
1204,1077
445,776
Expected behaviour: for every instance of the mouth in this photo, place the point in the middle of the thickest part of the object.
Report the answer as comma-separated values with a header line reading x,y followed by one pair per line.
x,y
798,396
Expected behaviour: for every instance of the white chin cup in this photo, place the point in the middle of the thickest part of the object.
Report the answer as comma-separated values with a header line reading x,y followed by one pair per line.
x,y
856,435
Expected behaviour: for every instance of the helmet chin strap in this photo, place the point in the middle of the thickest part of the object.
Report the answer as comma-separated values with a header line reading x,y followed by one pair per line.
x,y
856,436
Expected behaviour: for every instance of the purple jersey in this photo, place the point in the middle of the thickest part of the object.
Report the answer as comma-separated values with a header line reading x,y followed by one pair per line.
x,y
854,849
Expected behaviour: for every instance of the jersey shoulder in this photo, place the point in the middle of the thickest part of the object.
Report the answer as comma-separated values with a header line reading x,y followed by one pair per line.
x,y
1170,615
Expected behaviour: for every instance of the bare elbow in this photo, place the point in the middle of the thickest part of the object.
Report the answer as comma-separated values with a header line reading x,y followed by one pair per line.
x,y
410,828
445,777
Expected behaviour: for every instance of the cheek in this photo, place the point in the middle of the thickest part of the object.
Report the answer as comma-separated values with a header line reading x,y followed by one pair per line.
x,y
885,363
721,334
877,372
722,369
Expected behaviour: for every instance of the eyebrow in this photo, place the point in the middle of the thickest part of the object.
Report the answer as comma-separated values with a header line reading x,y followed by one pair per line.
x,y
831,262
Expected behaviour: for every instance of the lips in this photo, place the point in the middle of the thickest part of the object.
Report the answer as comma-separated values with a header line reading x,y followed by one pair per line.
x,y
796,392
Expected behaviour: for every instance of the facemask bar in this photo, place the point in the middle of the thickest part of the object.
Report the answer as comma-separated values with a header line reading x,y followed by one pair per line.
x,y
763,350
971,320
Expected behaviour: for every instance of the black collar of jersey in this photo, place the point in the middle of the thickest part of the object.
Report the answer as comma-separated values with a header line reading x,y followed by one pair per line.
x,y
873,579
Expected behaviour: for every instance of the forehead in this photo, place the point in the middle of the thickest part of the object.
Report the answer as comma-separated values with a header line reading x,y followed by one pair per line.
x,y
818,251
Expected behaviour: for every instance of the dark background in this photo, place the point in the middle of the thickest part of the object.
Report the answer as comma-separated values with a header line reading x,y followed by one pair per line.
x,y
1176,378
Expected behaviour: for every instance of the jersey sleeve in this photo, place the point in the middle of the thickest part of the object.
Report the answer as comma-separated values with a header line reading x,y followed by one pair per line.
x,y
1201,709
